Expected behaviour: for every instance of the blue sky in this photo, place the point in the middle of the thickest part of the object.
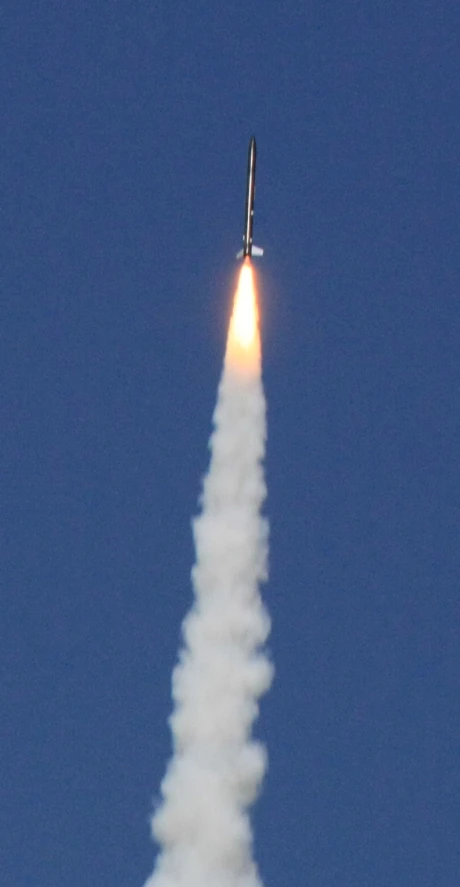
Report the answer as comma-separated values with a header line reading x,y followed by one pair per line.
x,y
125,131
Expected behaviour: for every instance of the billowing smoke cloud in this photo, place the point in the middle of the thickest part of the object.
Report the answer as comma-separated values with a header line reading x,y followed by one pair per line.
x,y
202,823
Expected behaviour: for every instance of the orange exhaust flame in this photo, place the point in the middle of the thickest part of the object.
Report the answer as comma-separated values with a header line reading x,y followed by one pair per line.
x,y
243,342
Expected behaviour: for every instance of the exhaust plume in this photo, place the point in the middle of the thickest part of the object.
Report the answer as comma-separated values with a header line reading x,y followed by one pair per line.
x,y
202,823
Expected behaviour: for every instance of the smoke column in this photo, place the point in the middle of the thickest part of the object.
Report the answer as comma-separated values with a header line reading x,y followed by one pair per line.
x,y
202,823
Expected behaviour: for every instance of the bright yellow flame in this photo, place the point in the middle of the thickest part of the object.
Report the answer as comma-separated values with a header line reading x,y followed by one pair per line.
x,y
243,343
244,311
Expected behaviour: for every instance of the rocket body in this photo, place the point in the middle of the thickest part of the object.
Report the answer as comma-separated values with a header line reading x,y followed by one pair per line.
x,y
248,248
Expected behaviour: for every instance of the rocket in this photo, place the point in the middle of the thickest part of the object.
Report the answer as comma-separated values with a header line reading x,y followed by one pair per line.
x,y
248,248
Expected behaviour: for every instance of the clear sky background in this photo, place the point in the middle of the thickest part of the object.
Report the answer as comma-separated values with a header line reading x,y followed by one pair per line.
x,y
125,128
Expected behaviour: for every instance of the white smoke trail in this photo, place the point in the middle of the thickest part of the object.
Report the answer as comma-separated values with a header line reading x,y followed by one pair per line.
x,y
202,824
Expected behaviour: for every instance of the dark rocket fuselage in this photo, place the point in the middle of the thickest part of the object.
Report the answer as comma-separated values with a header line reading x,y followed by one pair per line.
x,y
250,193
248,248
